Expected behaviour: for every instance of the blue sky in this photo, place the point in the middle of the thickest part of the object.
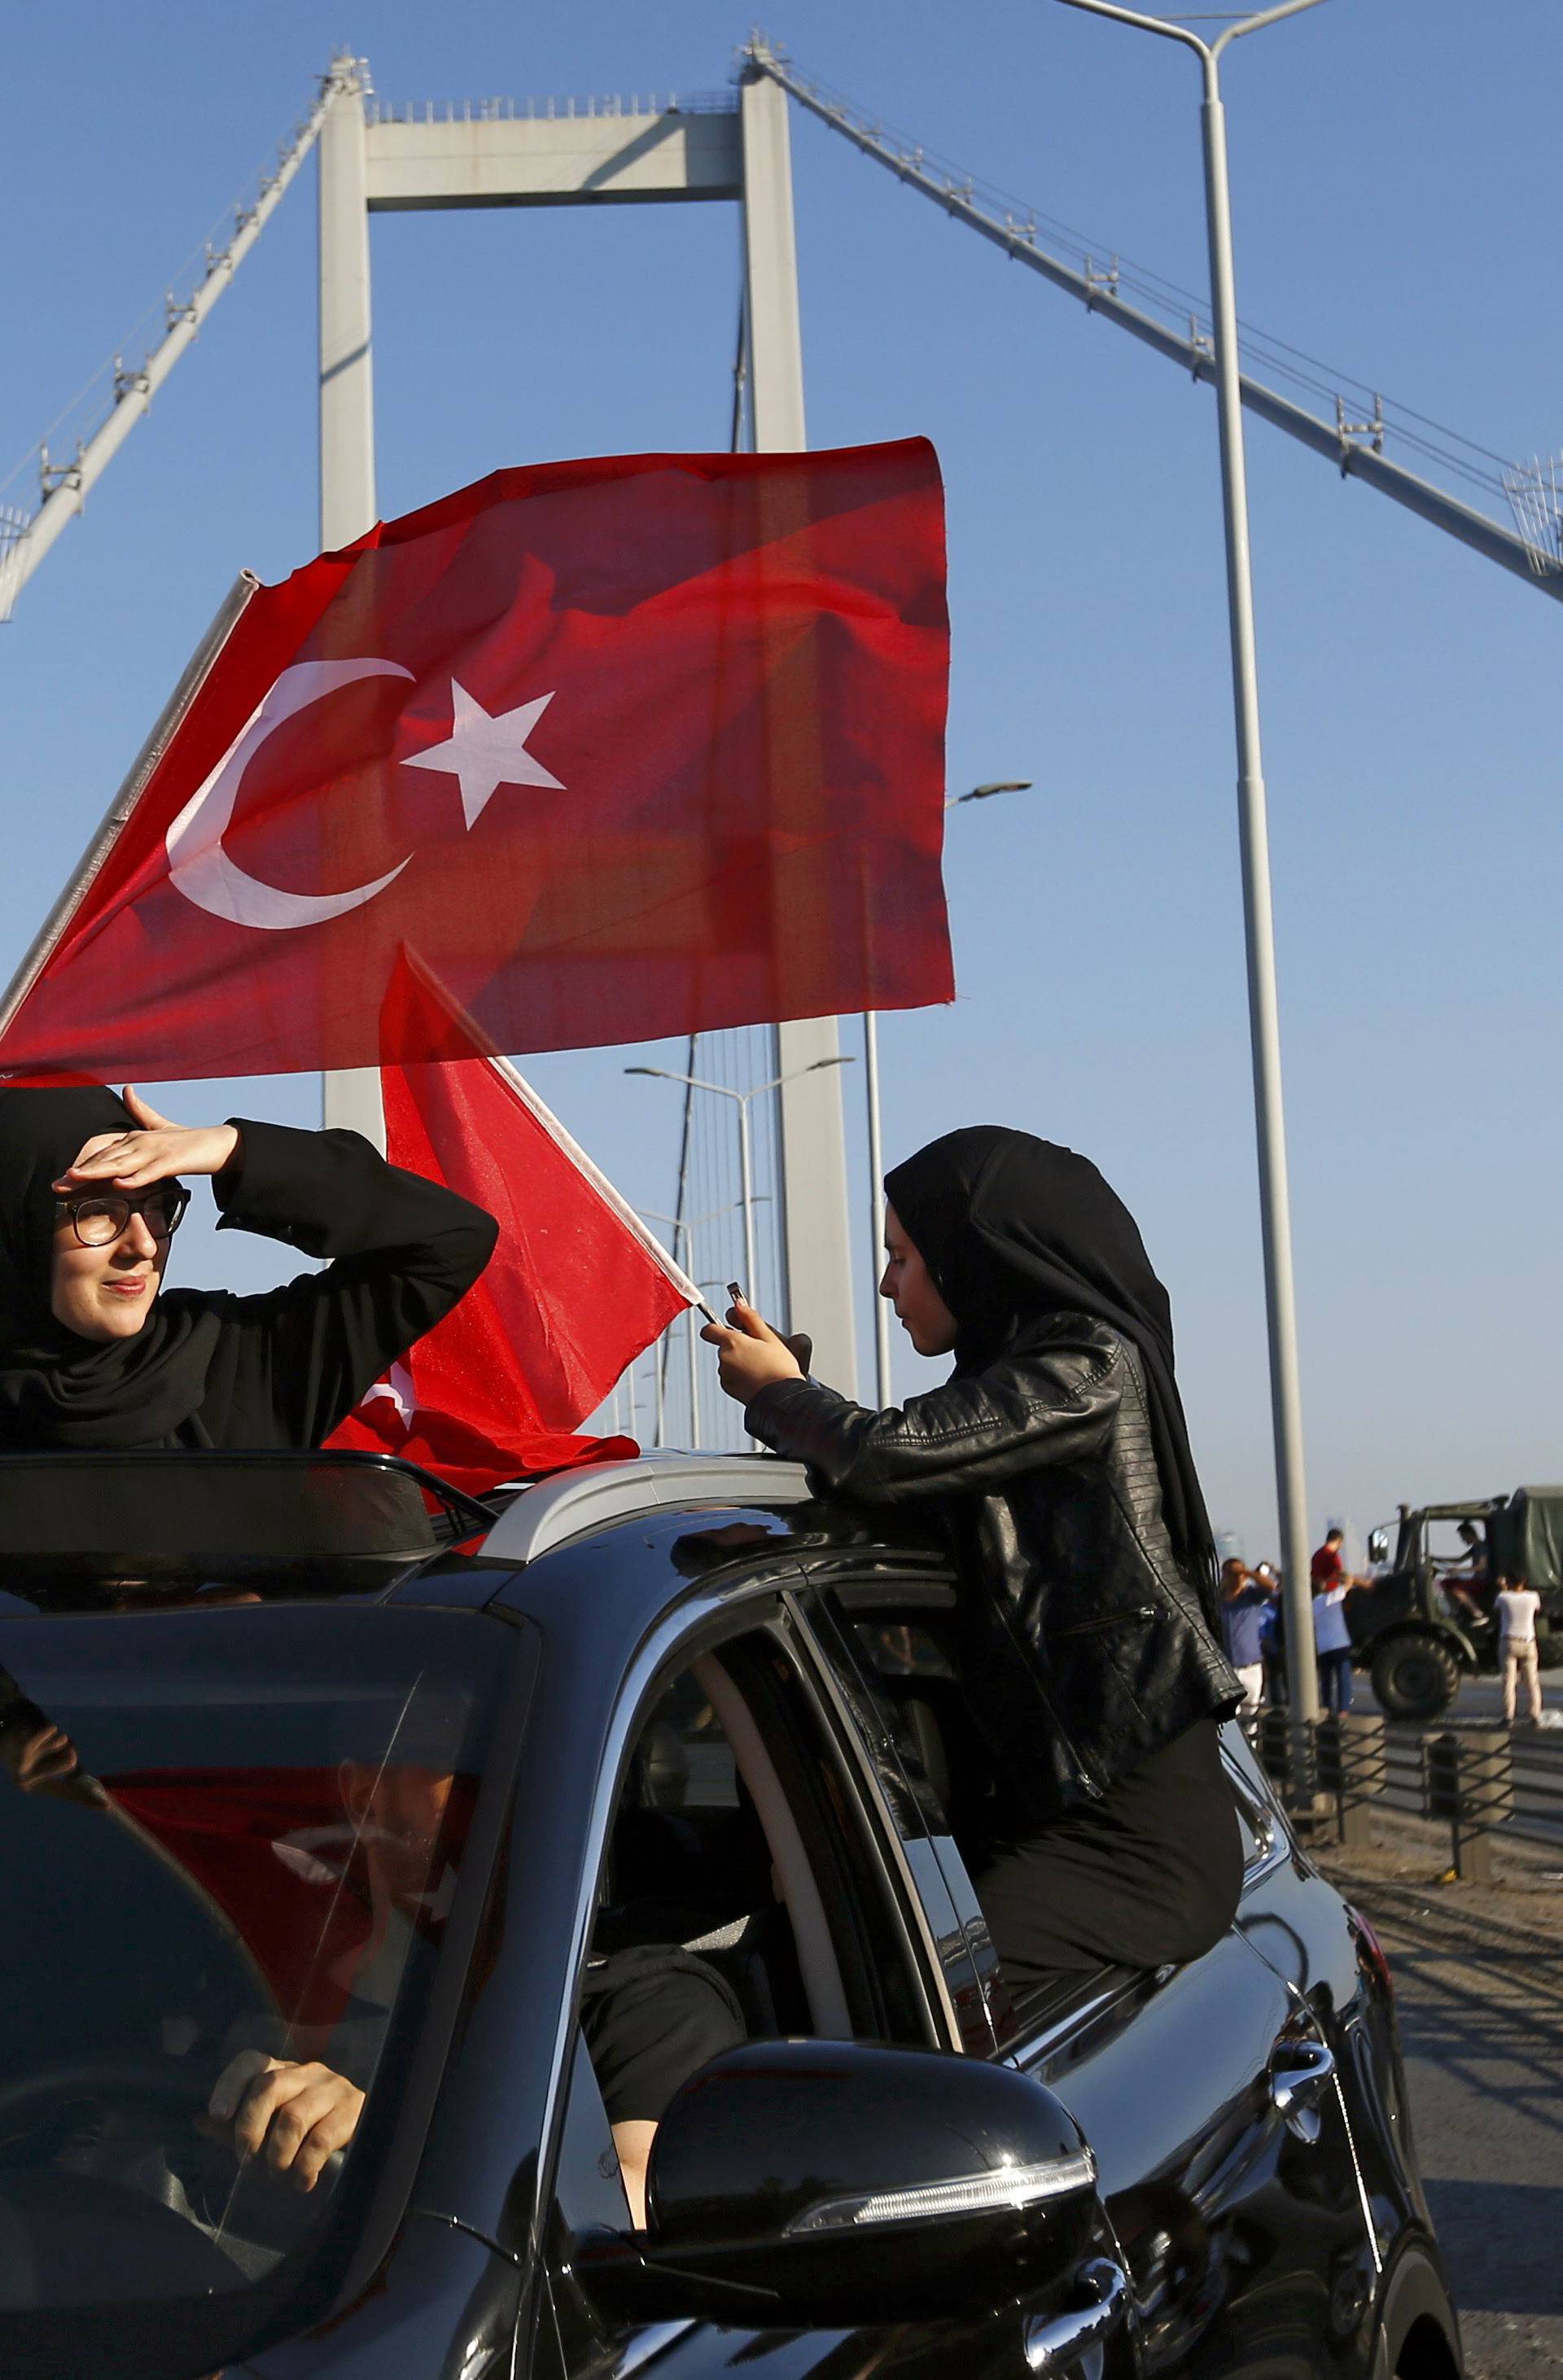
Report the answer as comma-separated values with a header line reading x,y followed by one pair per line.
x,y
1396,210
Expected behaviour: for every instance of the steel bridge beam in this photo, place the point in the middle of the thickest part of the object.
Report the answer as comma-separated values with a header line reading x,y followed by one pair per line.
x,y
563,161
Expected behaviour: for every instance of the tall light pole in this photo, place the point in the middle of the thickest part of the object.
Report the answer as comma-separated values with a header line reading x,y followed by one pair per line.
x,y
875,1140
741,1100
1259,930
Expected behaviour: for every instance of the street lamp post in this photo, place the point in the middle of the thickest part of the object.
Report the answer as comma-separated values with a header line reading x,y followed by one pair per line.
x,y
1258,917
741,1100
875,1142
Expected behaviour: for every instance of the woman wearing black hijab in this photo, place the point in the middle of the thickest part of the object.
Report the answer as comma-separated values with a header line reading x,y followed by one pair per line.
x,y
1058,1456
96,1352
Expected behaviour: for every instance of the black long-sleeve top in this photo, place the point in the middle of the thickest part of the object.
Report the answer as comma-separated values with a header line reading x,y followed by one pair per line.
x,y
291,1362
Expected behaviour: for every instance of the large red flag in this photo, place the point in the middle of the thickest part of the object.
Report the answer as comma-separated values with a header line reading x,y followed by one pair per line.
x,y
575,1289
618,749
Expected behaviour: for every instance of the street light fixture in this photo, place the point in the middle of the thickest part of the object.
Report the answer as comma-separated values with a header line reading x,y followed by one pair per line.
x,y
985,793
1258,918
741,1100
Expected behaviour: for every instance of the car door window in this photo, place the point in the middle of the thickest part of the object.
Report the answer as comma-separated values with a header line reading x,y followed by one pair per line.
x,y
690,1868
894,1648
737,1846
738,1837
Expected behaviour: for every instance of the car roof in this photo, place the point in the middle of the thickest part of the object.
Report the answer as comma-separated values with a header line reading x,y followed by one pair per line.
x,y
582,1503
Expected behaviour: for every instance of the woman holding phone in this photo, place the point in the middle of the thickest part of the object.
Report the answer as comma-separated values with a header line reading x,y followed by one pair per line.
x,y
1058,1457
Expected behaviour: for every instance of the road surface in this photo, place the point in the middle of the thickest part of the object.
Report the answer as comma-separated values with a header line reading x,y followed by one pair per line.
x,y
1479,1983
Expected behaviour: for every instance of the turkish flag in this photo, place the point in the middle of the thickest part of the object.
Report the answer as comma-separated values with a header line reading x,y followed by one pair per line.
x,y
575,1289
617,748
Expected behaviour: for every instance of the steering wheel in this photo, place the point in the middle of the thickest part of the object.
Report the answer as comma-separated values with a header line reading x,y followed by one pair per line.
x,y
107,2225
129,2076
30,2095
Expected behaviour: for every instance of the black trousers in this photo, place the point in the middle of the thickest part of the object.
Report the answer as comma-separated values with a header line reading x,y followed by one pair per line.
x,y
1147,1876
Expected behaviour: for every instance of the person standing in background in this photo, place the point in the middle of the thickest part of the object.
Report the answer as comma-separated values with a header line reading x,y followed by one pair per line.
x,y
1245,1605
1272,1633
1327,1568
1332,1638
1518,1607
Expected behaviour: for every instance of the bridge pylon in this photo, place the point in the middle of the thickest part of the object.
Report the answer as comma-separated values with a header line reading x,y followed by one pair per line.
x,y
732,146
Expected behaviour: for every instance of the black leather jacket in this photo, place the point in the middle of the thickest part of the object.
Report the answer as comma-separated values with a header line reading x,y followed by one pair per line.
x,y
1088,1647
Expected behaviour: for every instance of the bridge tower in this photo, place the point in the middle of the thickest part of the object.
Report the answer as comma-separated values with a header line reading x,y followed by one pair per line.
x,y
490,154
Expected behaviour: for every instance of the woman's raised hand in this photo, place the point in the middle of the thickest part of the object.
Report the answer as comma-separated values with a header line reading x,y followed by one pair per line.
x,y
750,1354
158,1149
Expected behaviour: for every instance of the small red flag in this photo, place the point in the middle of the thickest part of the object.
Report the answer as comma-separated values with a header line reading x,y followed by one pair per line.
x,y
617,748
577,1287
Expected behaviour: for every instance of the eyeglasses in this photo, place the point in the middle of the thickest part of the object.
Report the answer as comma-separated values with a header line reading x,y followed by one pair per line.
x,y
99,1221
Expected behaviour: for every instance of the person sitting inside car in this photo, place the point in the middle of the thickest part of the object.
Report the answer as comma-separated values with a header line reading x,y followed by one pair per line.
x,y
1058,1457
96,1353
651,2015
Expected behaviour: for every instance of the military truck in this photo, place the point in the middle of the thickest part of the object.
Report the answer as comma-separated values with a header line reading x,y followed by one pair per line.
x,y
1427,1621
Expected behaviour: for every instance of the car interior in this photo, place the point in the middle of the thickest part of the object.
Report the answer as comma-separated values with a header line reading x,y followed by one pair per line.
x,y
690,1862
733,1840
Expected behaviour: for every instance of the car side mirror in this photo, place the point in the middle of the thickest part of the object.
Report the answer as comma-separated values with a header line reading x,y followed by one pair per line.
x,y
829,2183
1378,1544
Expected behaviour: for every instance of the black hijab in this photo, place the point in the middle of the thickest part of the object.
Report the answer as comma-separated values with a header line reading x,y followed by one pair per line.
x,y
1012,1228
58,1389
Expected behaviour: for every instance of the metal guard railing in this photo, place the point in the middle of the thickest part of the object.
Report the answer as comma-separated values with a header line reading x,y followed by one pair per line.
x,y
1476,1781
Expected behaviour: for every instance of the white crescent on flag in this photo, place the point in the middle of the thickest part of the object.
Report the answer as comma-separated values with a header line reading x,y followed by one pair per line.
x,y
197,862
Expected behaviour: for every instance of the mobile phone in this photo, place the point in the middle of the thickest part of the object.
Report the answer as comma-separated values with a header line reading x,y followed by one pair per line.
x,y
735,1291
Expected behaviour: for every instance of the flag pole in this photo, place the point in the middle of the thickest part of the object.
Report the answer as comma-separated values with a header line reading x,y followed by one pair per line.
x,y
117,817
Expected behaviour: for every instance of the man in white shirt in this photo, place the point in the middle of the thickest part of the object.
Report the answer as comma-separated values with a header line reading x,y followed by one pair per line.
x,y
1517,1607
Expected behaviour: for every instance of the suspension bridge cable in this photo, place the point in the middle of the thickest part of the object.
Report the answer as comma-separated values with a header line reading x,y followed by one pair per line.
x,y
1129,273
1099,276
26,537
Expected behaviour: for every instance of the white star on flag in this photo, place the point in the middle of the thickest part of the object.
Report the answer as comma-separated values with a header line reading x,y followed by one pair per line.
x,y
485,751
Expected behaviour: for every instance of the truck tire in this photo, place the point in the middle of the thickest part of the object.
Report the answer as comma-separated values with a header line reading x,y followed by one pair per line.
x,y
1549,1648
1414,1676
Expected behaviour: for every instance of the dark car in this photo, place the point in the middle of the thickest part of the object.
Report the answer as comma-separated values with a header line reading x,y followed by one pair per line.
x,y
298,1771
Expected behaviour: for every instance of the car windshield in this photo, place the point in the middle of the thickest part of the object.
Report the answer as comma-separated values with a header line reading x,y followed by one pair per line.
x,y
232,1836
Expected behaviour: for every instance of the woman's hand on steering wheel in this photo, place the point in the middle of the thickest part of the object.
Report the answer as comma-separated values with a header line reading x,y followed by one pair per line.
x,y
155,1152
